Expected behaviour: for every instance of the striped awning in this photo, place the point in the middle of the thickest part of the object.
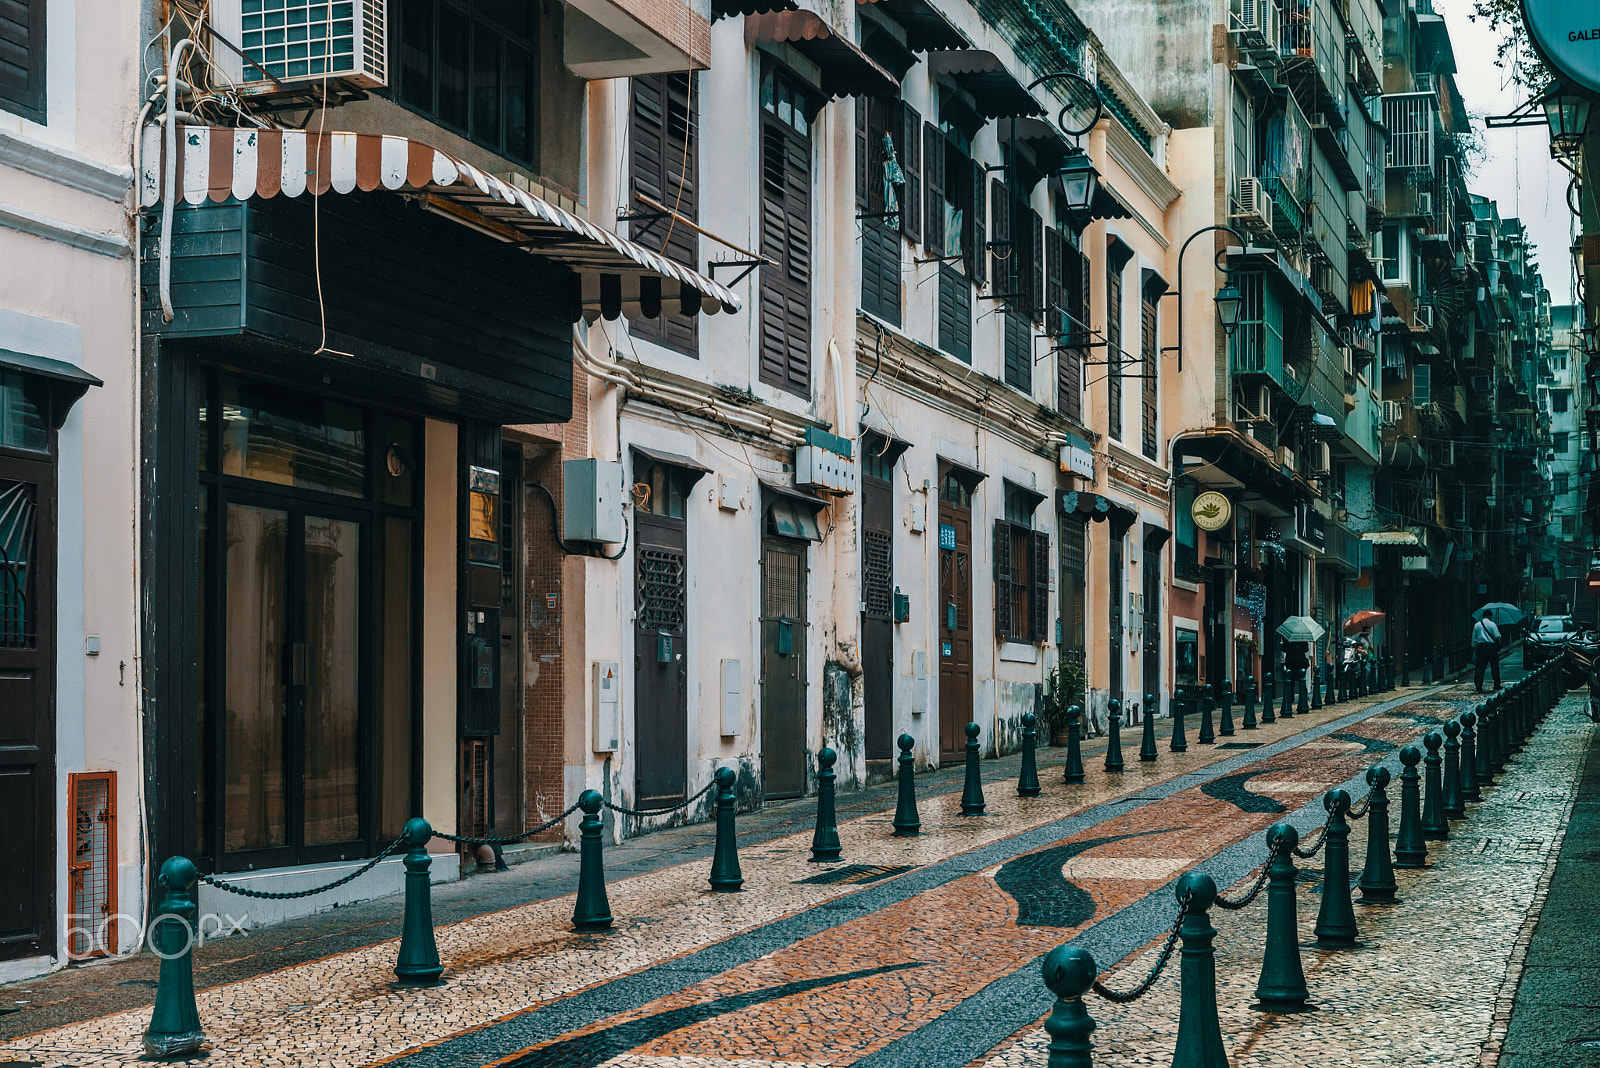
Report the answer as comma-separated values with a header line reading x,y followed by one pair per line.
x,y
617,276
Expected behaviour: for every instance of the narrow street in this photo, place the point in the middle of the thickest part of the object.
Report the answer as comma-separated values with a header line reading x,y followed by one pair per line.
x,y
910,951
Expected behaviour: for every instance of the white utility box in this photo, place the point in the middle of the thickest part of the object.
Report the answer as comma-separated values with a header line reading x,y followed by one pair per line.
x,y
607,705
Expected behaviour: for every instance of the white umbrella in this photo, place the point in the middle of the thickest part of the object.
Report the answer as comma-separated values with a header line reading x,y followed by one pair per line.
x,y
1301,629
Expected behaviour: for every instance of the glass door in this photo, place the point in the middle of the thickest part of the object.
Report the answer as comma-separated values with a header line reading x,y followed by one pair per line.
x,y
294,647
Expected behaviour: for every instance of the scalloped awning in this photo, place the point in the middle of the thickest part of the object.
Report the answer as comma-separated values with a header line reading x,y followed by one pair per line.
x,y
616,276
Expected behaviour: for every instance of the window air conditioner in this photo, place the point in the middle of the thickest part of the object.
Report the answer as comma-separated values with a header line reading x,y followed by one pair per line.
x,y
300,41
1425,316
1321,458
1391,413
1285,458
1255,206
1425,202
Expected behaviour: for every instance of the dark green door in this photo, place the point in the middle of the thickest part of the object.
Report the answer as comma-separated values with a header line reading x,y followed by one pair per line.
x,y
783,667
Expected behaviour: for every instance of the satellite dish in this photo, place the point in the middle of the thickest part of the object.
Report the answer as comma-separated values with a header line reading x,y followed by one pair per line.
x,y
1083,107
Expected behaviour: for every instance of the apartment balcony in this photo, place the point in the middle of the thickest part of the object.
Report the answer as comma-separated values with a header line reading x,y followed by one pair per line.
x,y
1412,120
1289,218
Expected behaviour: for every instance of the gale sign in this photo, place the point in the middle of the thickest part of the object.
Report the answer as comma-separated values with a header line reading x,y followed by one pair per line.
x,y
1567,35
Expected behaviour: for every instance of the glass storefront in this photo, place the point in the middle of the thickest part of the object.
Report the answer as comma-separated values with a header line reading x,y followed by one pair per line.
x,y
308,576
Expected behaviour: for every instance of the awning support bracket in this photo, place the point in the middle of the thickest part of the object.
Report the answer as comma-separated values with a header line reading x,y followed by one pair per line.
x,y
748,265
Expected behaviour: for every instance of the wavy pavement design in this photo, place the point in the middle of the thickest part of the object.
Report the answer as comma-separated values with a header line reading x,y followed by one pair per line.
x,y
1230,788
1045,897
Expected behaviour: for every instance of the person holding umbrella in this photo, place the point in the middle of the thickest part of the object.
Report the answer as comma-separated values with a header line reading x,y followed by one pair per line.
x,y
1485,649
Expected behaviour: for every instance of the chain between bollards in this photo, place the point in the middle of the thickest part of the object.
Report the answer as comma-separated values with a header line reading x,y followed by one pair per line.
x,y
1261,880
1124,997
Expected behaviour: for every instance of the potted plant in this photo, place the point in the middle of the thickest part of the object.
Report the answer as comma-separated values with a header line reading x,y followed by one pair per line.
x,y
1063,689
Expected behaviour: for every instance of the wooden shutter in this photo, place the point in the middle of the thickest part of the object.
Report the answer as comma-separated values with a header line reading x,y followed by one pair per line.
x,y
1018,351
979,211
880,270
1002,579
911,163
1054,291
1005,254
1114,345
955,313
664,137
786,238
933,183
22,56
863,152
1150,367
1036,301
1039,586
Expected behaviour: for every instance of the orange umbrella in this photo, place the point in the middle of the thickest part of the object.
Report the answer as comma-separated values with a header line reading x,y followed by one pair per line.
x,y
1367,617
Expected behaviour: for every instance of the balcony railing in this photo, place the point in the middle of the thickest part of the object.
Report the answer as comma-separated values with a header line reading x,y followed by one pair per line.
x,y
1411,119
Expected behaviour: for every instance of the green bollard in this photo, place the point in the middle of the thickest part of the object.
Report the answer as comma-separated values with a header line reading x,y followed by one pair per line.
x,y
726,878
1179,743
1114,736
1282,986
1302,703
1317,676
1336,919
1028,778
1434,826
592,911
825,839
1249,723
1455,806
972,803
175,1020
1469,757
1208,733
1147,736
1410,848
1268,696
1377,875
1489,739
1199,1042
417,963
906,822
1287,709
1069,972
1074,765
1225,723
1503,713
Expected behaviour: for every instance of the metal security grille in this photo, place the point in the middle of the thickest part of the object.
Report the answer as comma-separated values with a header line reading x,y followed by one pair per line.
x,y
661,589
877,582
92,800
18,528
1409,118
780,576
478,786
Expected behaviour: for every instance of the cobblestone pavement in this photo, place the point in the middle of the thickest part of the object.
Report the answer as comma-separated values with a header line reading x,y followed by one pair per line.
x,y
936,964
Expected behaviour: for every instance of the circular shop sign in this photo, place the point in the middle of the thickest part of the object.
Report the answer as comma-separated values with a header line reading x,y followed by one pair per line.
x,y
1567,34
1211,510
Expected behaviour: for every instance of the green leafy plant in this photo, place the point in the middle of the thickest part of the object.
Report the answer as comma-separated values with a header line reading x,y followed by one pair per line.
x,y
1063,689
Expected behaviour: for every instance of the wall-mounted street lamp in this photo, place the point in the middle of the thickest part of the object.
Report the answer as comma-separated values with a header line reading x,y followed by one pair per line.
x,y
1228,298
1079,183
1567,114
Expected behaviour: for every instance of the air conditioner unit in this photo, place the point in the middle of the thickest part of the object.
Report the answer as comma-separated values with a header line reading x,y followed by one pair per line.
x,y
1321,458
1425,202
1255,206
1425,316
1392,412
1285,458
1352,65
1257,26
301,41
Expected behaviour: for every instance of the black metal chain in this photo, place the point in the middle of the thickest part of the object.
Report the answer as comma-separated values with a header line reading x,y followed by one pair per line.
x,y
685,803
1122,998
1261,880
509,839
1307,854
266,896
1366,803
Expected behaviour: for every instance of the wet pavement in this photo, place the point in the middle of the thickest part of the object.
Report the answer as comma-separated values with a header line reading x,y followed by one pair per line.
x,y
911,951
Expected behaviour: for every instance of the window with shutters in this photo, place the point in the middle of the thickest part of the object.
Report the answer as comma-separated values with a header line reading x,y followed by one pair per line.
x,y
1067,322
1074,556
663,148
881,187
472,68
1021,571
785,129
1018,352
952,229
22,58
1003,256
1150,368
1117,255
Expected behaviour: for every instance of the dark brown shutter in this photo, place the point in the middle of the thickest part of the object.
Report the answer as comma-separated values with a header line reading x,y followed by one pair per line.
x,y
797,174
1039,587
955,313
1052,280
977,250
22,56
1036,300
785,303
1114,345
1005,253
1002,579
933,181
1018,357
911,163
863,152
1150,367
664,136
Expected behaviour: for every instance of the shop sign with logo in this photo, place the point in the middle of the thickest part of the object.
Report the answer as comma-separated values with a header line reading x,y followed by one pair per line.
x,y
1211,510
1567,35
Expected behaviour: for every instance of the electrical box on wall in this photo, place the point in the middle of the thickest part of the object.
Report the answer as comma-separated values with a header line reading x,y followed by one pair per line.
x,y
591,501
728,707
823,462
607,705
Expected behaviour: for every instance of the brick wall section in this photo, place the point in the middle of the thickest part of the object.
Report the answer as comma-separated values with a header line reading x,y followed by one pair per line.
x,y
548,675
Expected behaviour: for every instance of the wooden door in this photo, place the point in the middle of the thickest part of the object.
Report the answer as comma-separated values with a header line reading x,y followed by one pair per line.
x,y
1152,619
1114,684
955,626
783,668
660,662
877,615
27,705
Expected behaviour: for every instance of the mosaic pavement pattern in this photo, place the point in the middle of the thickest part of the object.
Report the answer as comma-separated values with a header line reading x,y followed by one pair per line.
x,y
880,968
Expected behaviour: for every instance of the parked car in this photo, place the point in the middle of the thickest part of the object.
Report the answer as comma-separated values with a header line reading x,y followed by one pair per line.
x,y
1547,638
